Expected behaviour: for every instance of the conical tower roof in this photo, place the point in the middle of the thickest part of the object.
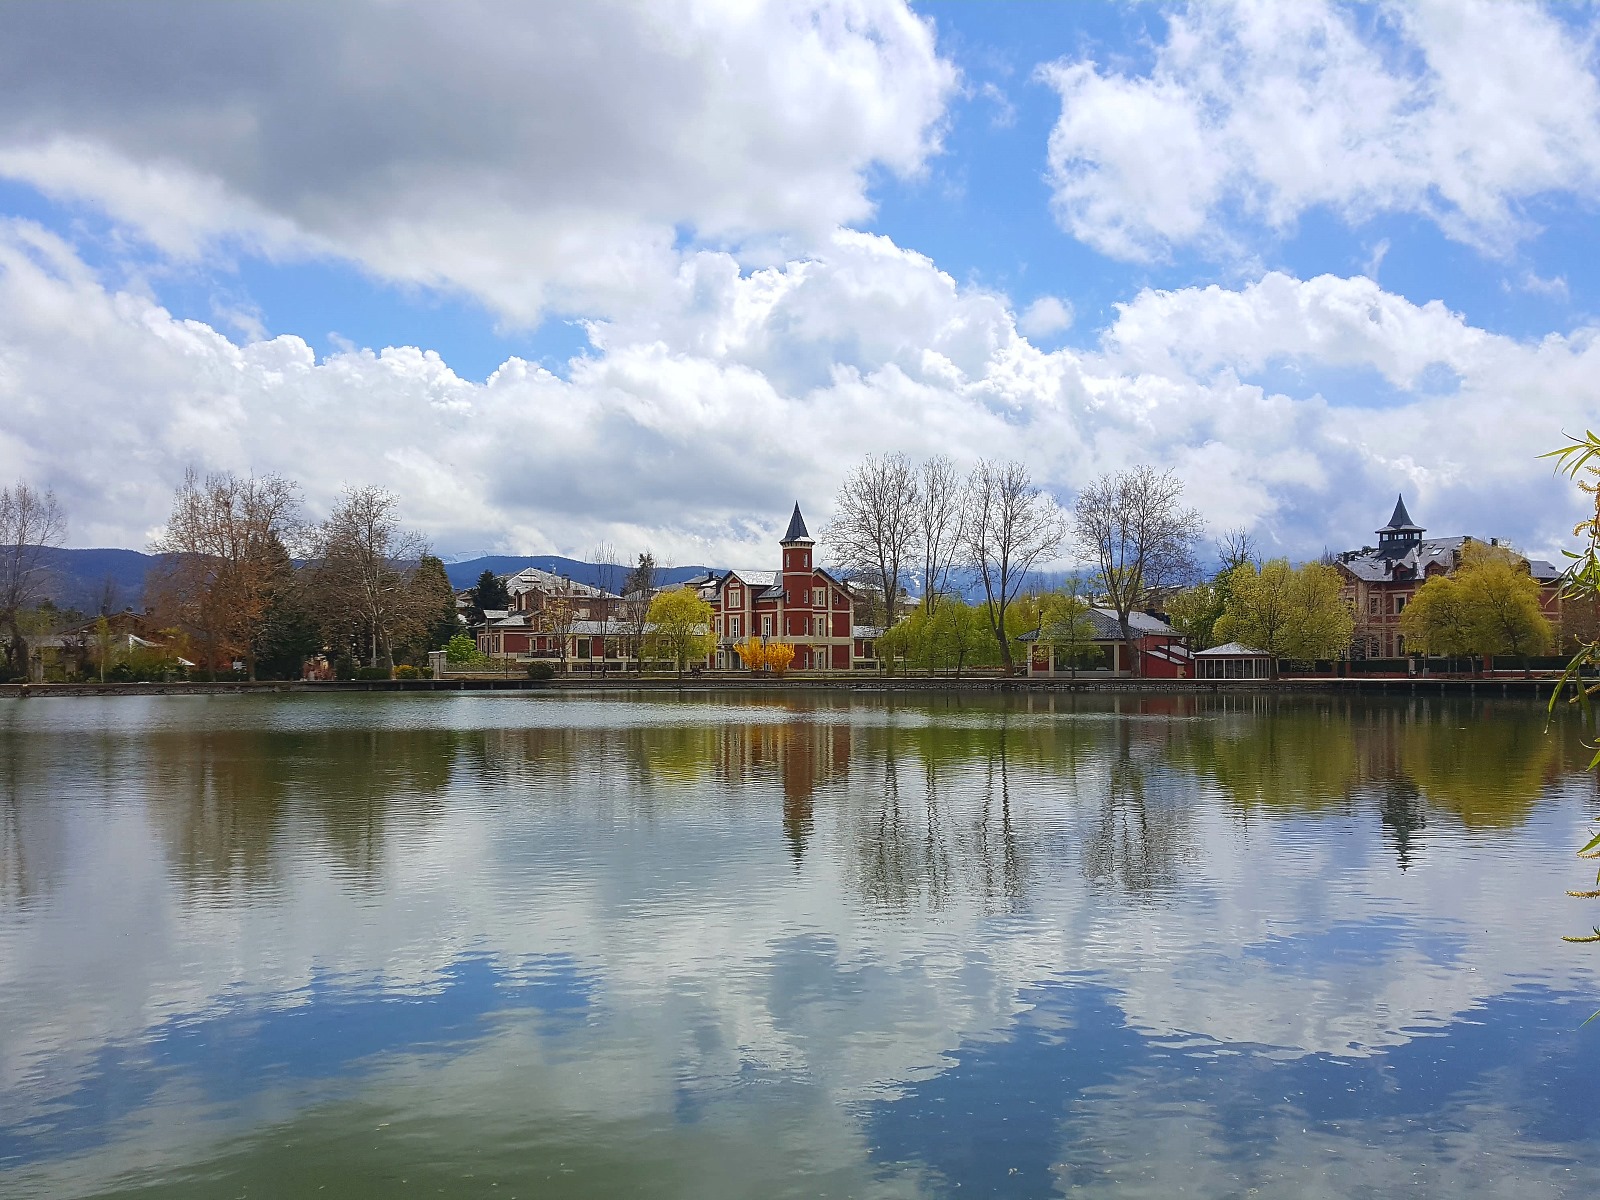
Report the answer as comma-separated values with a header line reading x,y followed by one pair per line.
x,y
1401,522
797,529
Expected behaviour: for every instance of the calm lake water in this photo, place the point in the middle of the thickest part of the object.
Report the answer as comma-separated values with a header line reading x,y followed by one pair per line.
x,y
750,946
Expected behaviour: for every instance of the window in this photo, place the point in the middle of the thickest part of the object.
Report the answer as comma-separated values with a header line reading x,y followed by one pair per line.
x,y
766,626
734,600
819,597
1399,604
733,626
1372,605
821,626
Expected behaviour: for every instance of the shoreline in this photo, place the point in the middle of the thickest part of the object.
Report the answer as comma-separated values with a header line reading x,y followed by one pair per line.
x,y
1336,686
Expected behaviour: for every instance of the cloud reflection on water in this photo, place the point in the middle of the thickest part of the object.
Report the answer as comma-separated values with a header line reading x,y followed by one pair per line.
x,y
868,908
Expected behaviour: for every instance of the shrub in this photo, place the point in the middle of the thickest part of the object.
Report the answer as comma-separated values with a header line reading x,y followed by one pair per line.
x,y
372,673
344,667
425,672
541,671
406,671
461,649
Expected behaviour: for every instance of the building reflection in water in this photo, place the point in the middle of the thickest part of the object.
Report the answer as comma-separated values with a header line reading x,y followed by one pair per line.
x,y
917,800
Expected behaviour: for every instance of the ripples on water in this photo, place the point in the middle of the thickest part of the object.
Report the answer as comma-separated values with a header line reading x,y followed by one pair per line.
x,y
761,946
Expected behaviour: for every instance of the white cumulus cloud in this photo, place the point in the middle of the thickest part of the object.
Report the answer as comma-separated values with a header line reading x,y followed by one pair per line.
x,y
694,428
1046,316
1252,113
534,156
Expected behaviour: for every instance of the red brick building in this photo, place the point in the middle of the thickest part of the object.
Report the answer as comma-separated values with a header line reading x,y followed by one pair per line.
x,y
1380,581
800,604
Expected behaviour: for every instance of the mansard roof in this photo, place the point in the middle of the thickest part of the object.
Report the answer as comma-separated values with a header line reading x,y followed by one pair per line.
x,y
1374,566
797,529
1401,522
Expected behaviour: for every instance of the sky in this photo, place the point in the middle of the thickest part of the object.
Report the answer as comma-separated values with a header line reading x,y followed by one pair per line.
x,y
648,274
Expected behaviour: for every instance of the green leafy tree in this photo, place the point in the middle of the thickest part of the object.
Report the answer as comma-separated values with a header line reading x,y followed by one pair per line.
x,y
1064,618
1503,599
962,636
1580,459
1437,620
1489,606
1287,612
1194,612
678,628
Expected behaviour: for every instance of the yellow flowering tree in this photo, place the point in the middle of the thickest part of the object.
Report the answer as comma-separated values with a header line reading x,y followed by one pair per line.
x,y
752,653
678,627
778,657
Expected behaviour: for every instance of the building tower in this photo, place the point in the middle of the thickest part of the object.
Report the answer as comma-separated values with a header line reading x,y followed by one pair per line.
x,y
797,546
1399,536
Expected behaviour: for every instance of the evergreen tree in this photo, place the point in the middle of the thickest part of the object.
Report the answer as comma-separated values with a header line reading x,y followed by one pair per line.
x,y
434,602
489,593
287,634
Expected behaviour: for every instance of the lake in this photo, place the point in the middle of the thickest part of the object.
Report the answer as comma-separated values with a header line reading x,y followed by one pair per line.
x,y
755,945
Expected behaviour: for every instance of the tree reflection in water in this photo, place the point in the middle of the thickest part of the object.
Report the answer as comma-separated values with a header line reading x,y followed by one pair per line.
x,y
1479,765
229,804
919,801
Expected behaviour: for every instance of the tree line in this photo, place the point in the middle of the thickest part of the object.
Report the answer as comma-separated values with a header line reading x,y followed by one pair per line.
x,y
245,578
244,583
894,519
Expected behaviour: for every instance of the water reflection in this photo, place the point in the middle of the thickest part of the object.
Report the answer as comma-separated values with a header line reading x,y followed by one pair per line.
x,y
755,945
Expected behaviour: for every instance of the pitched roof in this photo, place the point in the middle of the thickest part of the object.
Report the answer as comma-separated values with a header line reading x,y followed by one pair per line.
x,y
755,579
1232,650
1401,522
534,578
1107,629
797,528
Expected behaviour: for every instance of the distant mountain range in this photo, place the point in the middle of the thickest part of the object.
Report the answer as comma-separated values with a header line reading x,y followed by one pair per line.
x,y
465,574
114,579
89,579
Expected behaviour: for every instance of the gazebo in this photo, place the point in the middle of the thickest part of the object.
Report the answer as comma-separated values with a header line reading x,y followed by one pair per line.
x,y
1232,661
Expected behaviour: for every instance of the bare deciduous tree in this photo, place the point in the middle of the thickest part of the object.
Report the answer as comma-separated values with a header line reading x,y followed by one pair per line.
x,y
31,525
608,573
1009,524
638,589
938,525
874,527
608,577
363,572
222,558
1236,547
1133,527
